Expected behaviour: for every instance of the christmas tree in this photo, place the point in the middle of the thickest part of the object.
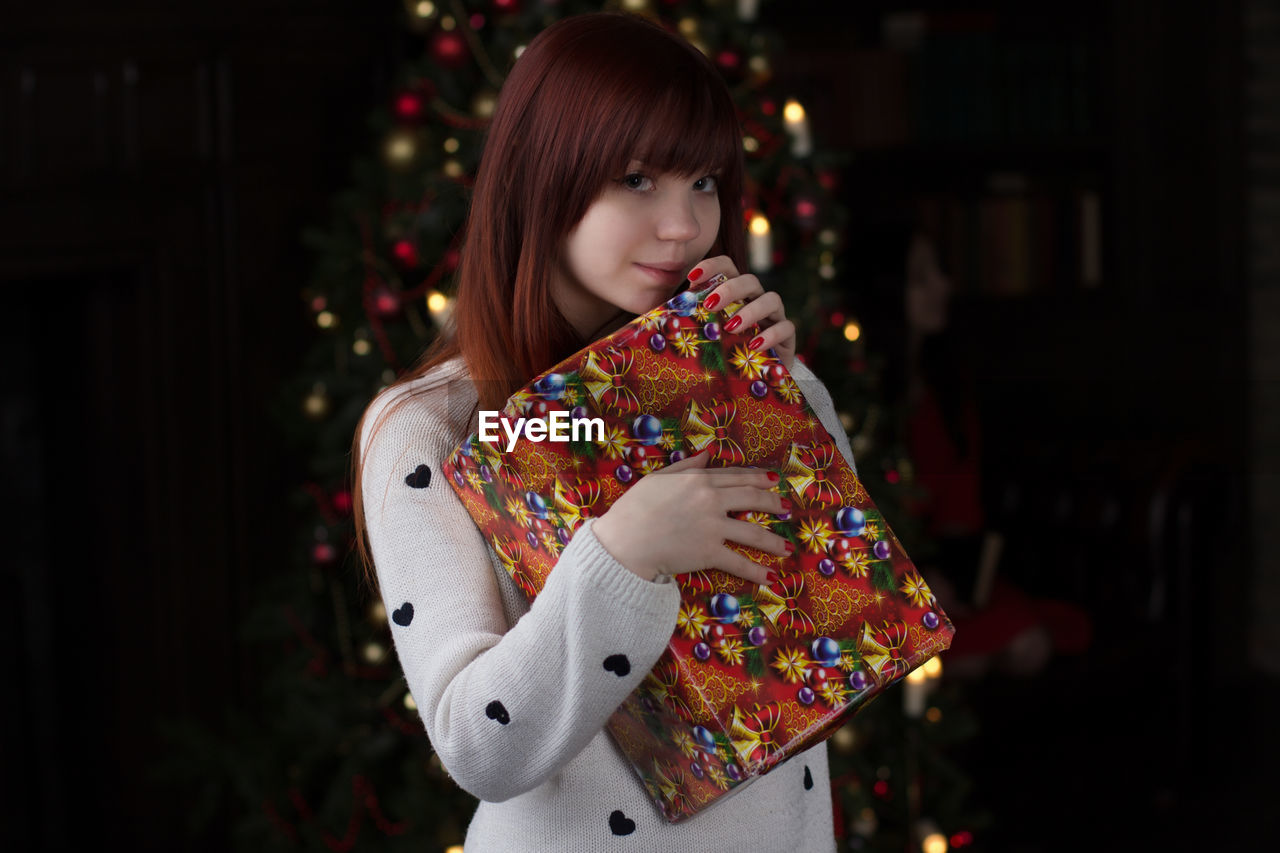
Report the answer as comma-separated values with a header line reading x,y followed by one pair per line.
x,y
335,756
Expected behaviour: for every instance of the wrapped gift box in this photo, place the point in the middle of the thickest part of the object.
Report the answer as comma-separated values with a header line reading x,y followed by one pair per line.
x,y
753,674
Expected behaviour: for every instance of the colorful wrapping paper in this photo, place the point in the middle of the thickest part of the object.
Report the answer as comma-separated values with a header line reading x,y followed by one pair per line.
x,y
753,674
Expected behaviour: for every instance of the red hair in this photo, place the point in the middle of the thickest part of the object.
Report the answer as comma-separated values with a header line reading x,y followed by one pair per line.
x,y
589,94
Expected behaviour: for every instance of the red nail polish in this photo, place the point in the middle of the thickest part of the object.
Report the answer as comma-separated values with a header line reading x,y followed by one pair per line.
x,y
711,302
774,476
772,577
733,324
695,273
790,547
786,504
755,342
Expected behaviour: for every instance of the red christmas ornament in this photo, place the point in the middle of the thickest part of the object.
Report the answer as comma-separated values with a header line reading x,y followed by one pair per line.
x,y
775,374
342,501
385,303
728,60
448,48
406,253
410,106
323,553
839,547
963,838
881,789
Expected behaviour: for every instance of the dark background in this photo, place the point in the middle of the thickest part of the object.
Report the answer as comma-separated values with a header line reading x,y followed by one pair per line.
x,y
158,162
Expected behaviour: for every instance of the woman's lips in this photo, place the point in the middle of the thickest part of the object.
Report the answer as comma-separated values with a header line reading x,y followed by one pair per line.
x,y
669,277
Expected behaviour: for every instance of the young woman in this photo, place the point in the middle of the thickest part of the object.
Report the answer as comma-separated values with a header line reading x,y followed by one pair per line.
x,y
612,174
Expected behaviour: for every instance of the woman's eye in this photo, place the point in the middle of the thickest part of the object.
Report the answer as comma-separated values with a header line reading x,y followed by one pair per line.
x,y
636,181
706,184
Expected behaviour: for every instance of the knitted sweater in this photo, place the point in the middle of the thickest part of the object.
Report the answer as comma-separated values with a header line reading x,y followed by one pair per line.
x,y
515,697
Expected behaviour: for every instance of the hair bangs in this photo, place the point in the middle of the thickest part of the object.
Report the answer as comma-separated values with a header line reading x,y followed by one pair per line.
x,y
685,132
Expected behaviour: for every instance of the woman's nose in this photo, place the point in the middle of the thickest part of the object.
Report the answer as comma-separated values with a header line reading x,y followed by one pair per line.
x,y
677,219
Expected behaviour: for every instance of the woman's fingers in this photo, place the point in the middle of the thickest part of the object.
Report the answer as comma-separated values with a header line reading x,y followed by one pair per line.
x,y
754,536
734,563
752,499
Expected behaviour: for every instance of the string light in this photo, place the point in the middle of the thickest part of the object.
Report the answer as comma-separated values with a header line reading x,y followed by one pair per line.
x,y
452,168
374,652
425,9
326,319
451,145
454,848
750,144
852,331
483,104
400,148
409,704
447,23
378,612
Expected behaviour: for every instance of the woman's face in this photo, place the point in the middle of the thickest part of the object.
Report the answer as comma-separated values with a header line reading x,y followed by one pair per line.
x,y
635,245
928,290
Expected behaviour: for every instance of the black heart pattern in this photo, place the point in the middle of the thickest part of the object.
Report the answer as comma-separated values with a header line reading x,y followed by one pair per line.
x,y
403,615
495,711
808,778
617,664
621,824
420,478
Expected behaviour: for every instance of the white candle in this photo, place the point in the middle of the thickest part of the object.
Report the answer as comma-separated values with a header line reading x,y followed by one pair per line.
x,y
798,128
914,691
759,245
747,9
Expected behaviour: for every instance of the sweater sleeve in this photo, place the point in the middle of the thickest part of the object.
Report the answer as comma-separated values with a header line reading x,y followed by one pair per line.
x,y
820,399
505,706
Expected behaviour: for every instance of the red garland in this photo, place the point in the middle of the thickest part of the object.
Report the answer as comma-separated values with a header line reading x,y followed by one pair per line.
x,y
371,283
319,663
364,798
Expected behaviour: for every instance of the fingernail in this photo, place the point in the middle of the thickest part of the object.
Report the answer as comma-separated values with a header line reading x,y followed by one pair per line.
x,y
774,476
755,342
694,274
772,577
786,504
733,324
790,546
711,302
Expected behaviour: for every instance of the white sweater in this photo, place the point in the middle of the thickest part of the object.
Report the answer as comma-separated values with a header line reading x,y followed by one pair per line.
x,y
514,697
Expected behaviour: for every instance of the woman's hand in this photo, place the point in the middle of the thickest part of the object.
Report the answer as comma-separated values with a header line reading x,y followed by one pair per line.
x,y
676,520
763,307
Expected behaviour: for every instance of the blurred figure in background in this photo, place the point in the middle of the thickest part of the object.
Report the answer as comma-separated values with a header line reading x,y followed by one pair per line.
x,y
902,298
